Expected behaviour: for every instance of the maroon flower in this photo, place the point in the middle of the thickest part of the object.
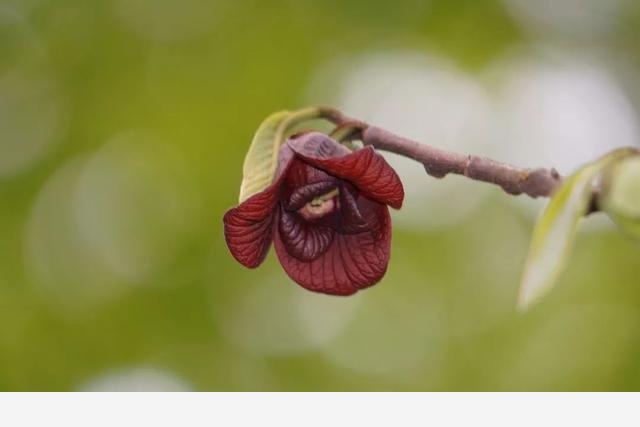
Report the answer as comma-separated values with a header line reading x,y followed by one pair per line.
x,y
326,213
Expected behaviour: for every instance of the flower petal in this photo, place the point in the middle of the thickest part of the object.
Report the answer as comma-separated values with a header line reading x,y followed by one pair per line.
x,y
317,145
365,168
301,174
303,240
349,210
350,263
248,228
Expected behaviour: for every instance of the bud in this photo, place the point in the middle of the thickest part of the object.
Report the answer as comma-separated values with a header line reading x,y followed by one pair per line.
x,y
620,197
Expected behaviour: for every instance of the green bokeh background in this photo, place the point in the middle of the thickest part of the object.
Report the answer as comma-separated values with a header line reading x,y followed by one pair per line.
x,y
153,108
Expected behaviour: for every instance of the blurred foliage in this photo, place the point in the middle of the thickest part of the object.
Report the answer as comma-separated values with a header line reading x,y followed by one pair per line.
x,y
123,127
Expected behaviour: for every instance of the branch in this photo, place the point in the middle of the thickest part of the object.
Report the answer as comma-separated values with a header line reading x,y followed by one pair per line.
x,y
438,163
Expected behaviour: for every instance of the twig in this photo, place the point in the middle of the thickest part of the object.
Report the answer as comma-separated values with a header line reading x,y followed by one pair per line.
x,y
438,163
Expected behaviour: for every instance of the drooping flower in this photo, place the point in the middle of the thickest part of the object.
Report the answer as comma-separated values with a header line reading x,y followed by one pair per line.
x,y
326,213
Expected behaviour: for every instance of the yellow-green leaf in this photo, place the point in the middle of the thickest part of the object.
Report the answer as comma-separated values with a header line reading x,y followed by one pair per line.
x,y
556,228
261,161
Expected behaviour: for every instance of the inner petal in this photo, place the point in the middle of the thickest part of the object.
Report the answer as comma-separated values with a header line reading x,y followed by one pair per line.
x,y
302,239
301,174
357,213
349,209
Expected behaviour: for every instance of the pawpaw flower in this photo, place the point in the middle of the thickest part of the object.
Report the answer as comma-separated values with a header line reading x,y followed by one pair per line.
x,y
326,213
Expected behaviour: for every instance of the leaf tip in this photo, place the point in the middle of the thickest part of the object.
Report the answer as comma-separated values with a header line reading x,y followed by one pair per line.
x,y
527,297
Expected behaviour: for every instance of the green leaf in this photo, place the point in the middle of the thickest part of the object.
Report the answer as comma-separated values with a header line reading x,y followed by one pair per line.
x,y
555,230
343,134
261,161
621,194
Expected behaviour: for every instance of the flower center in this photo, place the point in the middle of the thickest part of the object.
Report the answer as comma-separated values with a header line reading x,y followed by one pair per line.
x,y
320,206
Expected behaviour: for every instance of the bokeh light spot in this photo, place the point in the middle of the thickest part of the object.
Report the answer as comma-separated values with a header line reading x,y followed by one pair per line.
x,y
118,217
32,118
277,317
136,379
64,271
135,205
563,112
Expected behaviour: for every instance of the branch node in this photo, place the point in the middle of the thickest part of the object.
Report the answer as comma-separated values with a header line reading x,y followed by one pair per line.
x,y
467,164
434,171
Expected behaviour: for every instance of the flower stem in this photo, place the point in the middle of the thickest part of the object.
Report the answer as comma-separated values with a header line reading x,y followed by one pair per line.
x,y
438,163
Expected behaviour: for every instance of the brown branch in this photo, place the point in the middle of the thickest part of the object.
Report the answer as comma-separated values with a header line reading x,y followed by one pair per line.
x,y
438,163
